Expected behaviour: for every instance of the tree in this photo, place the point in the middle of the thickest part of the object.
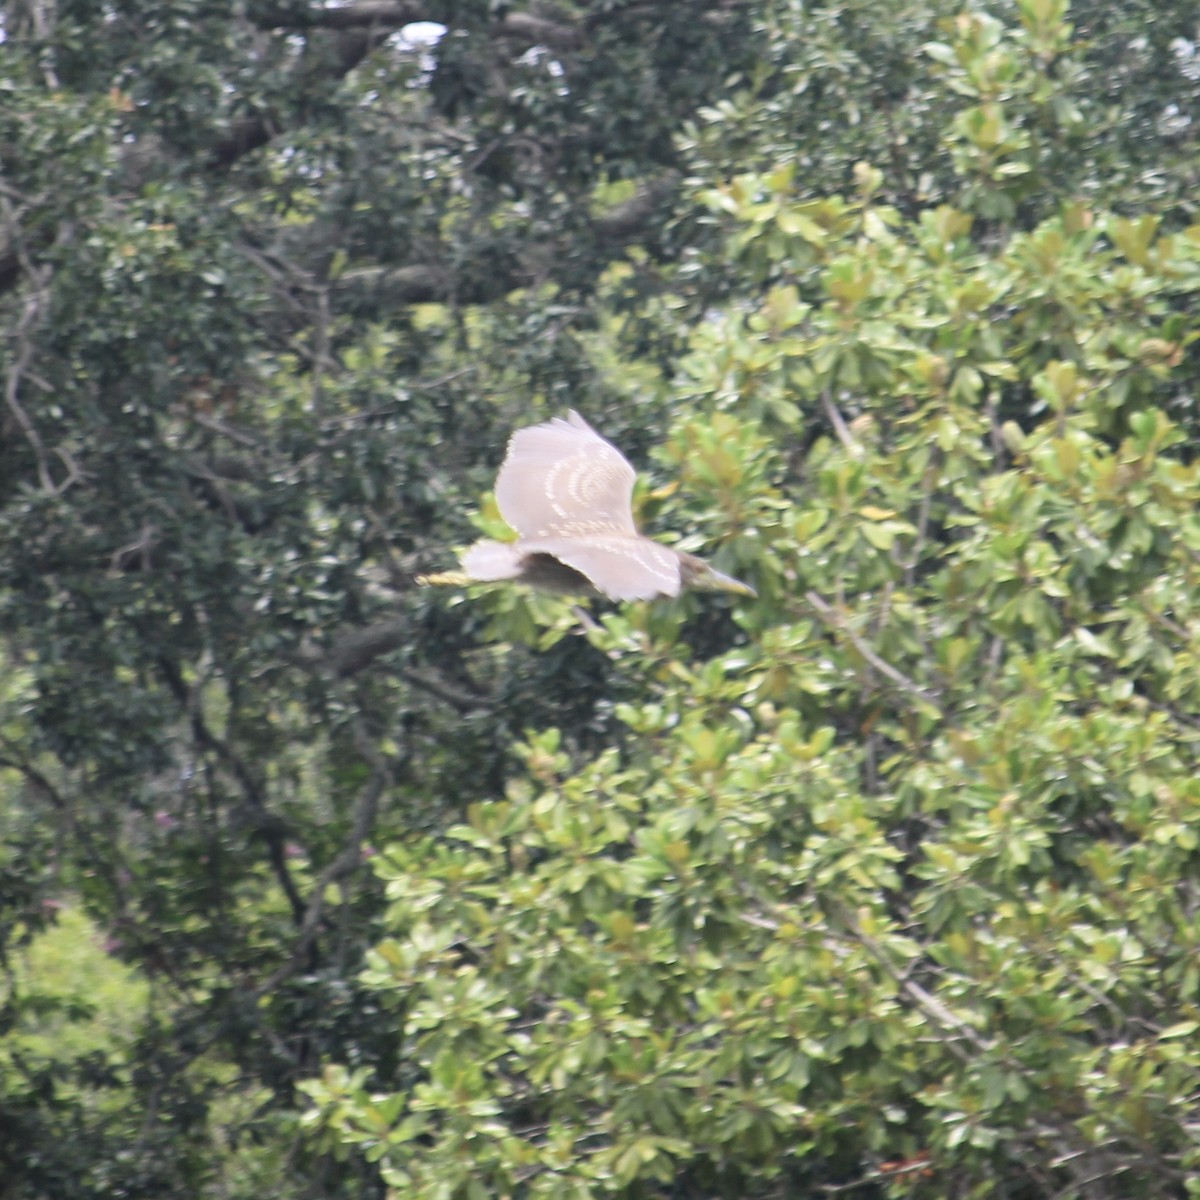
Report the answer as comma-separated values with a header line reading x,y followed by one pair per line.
x,y
770,894
263,347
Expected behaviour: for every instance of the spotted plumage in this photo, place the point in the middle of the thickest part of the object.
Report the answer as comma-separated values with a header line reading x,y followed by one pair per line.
x,y
568,494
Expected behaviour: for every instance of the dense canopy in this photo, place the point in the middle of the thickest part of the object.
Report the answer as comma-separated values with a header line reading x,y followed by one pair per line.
x,y
317,883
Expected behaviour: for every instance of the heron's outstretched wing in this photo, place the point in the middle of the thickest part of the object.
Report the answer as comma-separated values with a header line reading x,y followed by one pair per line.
x,y
562,479
617,565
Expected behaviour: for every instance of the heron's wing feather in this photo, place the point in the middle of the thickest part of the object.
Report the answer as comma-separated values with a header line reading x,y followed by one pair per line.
x,y
561,478
622,567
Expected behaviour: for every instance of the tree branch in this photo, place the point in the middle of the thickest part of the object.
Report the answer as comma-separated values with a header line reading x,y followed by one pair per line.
x,y
272,828
244,137
365,14
353,651
427,283
524,27
834,620
344,864
252,133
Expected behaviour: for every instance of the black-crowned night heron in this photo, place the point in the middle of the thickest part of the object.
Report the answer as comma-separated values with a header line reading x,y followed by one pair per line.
x,y
568,494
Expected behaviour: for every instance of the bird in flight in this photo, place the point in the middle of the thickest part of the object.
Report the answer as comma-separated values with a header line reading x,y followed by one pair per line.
x,y
568,494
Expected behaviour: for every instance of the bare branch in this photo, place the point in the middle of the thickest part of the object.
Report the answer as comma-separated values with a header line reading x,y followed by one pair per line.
x,y
19,362
834,620
365,14
848,440
12,390
355,650
537,31
624,222
348,861
424,283
271,827
523,27
252,133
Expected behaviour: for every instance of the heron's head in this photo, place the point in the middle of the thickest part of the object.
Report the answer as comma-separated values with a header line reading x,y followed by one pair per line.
x,y
695,573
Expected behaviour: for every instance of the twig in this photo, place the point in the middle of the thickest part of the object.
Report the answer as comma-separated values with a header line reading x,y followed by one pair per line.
x,y
840,427
835,621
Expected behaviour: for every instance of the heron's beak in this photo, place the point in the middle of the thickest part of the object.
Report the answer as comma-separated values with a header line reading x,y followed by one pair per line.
x,y
718,581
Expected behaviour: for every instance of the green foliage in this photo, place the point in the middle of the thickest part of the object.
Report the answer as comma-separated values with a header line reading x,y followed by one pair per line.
x,y
897,891
882,883
71,966
911,886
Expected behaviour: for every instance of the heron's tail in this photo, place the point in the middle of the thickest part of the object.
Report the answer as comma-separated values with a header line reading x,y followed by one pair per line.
x,y
489,561
484,562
